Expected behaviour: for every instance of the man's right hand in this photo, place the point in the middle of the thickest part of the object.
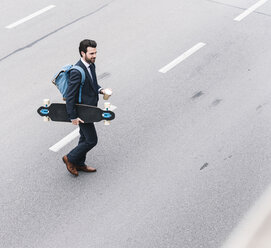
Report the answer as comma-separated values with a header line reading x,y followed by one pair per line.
x,y
77,121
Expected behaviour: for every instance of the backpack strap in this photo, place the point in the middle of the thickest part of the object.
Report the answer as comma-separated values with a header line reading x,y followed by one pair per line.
x,y
80,69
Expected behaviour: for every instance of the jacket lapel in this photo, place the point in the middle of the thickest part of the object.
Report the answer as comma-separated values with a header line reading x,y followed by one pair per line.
x,y
87,74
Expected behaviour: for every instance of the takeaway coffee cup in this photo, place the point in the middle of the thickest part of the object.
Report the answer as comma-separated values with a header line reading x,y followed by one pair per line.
x,y
107,94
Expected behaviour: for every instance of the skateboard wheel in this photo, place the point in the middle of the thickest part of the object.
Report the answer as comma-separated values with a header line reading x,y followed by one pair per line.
x,y
106,123
46,102
46,118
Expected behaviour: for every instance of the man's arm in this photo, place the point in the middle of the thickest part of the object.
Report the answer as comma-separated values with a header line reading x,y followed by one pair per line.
x,y
72,93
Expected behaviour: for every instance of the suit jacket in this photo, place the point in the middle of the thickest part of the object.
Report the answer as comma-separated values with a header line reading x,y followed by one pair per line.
x,y
90,94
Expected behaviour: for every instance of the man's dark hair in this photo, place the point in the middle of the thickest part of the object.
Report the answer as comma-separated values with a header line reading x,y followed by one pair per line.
x,y
84,44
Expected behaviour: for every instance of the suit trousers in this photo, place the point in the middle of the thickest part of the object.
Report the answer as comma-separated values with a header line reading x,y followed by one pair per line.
x,y
88,139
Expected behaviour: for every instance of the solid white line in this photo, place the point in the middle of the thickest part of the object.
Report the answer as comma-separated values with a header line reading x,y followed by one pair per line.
x,y
250,10
65,141
182,57
248,228
30,16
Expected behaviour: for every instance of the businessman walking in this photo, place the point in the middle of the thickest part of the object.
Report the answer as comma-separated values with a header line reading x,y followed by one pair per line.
x,y
75,159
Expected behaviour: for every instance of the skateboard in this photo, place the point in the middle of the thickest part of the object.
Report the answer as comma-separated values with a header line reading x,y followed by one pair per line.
x,y
89,114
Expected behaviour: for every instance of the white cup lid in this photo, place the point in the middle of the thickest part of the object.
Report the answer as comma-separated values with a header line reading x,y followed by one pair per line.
x,y
108,92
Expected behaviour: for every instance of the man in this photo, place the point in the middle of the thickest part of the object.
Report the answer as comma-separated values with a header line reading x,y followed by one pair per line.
x,y
75,160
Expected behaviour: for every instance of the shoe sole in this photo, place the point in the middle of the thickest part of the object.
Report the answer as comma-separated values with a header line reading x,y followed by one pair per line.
x,y
90,171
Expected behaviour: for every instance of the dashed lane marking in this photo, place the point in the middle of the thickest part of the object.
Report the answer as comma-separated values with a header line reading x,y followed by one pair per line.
x,y
65,141
181,58
27,18
250,10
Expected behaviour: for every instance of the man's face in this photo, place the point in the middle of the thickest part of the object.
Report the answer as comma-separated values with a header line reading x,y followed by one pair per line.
x,y
90,55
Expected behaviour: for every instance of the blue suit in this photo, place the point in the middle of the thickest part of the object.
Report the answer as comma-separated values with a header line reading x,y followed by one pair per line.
x,y
90,96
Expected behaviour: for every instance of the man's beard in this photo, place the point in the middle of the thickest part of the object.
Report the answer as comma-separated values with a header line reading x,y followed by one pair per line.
x,y
90,60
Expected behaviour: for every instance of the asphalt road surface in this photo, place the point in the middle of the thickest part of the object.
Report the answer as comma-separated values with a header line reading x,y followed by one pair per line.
x,y
189,153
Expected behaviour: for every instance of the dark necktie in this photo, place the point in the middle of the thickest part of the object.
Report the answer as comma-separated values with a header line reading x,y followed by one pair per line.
x,y
93,74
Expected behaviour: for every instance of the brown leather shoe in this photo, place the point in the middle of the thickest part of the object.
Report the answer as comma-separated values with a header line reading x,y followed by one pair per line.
x,y
71,168
85,168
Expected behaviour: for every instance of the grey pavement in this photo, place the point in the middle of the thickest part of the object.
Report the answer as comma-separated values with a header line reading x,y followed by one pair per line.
x,y
189,151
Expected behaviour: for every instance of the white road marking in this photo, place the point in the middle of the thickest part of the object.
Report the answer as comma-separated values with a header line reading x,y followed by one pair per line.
x,y
30,17
250,10
65,141
182,57
248,228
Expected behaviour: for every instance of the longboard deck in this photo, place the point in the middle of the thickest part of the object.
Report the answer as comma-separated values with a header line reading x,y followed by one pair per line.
x,y
89,114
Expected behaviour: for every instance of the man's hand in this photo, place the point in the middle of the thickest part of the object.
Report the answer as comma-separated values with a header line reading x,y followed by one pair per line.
x,y
104,91
77,121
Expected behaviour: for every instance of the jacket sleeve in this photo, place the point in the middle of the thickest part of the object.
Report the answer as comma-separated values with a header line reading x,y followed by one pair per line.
x,y
72,93
99,88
